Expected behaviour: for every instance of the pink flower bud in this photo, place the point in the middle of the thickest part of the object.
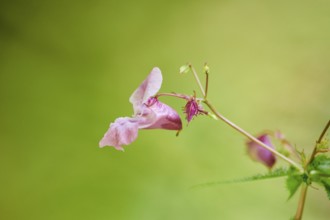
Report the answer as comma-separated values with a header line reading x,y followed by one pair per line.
x,y
192,109
260,154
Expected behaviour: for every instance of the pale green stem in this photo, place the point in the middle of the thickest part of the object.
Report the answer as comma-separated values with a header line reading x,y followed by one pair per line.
x,y
301,203
304,187
318,142
197,80
206,84
237,128
251,137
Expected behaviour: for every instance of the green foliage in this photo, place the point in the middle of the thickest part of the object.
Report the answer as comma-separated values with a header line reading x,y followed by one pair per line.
x,y
321,164
326,184
293,181
280,172
319,171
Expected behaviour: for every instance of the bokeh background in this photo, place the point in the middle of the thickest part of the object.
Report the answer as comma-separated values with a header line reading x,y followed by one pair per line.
x,y
67,69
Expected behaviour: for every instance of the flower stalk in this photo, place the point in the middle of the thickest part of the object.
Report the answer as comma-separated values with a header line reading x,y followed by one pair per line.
x,y
197,80
237,128
303,193
180,96
301,204
150,113
251,137
206,69
315,151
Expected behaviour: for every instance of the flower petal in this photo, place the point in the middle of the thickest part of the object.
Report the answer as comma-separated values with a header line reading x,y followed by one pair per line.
x,y
149,87
260,154
159,115
122,132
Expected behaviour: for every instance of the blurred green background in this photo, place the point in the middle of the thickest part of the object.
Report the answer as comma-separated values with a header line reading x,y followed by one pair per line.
x,y
67,70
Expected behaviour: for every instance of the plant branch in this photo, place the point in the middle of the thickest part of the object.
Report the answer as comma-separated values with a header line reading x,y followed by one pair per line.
x,y
304,187
206,83
181,96
197,79
301,203
251,137
315,151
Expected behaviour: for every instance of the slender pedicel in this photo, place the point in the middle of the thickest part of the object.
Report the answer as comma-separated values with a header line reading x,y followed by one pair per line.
x,y
181,96
206,83
240,130
197,80
318,142
252,138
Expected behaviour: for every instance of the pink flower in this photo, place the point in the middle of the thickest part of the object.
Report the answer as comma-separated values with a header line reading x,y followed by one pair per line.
x,y
193,108
260,154
149,113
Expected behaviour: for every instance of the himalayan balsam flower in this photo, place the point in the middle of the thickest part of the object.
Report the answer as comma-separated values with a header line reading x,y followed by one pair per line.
x,y
260,154
149,113
193,108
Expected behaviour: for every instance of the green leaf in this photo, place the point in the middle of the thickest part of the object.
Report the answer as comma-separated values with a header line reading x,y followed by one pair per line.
x,y
280,172
184,69
293,181
321,163
326,184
